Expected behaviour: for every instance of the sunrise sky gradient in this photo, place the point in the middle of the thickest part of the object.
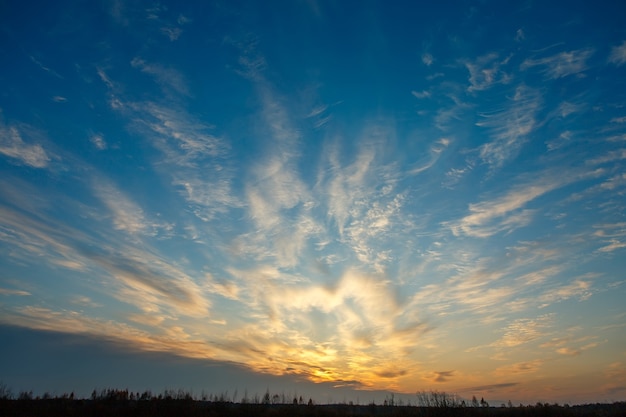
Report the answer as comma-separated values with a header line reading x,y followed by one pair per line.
x,y
337,198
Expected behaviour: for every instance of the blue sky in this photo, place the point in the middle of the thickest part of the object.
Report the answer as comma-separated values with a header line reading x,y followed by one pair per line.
x,y
352,198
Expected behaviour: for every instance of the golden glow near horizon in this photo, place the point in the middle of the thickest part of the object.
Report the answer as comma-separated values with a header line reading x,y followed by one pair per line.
x,y
356,333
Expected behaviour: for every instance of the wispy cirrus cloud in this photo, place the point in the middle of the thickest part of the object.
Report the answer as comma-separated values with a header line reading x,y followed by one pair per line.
x,y
528,367
347,183
490,387
98,141
352,185
427,59
8,291
225,288
44,67
189,139
440,376
12,145
612,245
278,200
371,327
33,234
345,331
140,277
615,374
421,94
562,64
503,214
570,344
507,212
521,331
611,156
173,33
486,72
510,127
377,221
83,300
167,78
196,159
436,150
126,214
75,322
152,284
580,287
618,54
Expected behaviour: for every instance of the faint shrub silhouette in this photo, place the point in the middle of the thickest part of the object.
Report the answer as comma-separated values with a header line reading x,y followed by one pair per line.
x,y
438,399
5,392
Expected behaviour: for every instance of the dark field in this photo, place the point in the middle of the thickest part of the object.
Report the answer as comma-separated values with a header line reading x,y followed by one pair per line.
x,y
189,407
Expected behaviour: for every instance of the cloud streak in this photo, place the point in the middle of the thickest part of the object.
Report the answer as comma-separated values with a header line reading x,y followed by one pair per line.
x,y
511,127
562,64
618,54
12,145
503,214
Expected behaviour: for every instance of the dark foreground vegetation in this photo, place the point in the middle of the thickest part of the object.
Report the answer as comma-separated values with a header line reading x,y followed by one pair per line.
x,y
178,403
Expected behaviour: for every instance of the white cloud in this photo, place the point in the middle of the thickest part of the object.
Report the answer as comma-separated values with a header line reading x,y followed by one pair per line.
x,y
6,291
43,67
98,141
74,322
519,368
504,213
13,146
436,150
510,127
563,139
613,246
31,234
346,184
523,331
127,215
276,185
85,301
105,78
618,54
152,284
183,20
167,78
562,64
580,288
567,108
189,145
421,94
143,279
614,182
427,59
225,288
485,72
611,156
278,200
366,231
172,33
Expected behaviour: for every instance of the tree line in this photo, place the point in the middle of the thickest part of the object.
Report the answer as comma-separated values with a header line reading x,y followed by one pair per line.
x,y
170,402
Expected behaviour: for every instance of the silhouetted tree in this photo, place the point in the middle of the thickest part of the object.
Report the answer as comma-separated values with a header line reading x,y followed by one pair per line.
x,y
267,398
25,395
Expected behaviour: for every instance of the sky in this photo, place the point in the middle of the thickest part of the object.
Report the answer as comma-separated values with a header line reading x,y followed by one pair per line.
x,y
339,199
